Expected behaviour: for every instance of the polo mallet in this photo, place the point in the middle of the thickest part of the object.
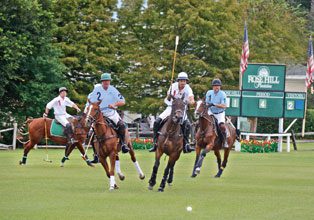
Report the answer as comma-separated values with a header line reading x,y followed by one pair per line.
x,y
46,138
90,139
174,61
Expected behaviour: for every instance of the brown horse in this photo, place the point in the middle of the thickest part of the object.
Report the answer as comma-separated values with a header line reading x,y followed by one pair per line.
x,y
170,142
39,128
107,144
207,139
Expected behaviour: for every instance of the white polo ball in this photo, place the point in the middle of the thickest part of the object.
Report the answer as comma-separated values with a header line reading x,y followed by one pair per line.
x,y
189,208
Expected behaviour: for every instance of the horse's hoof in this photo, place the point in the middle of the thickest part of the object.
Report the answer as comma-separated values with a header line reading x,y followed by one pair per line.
x,y
121,176
169,184
194,175
89,164
21,163
198,170
217,176
116,186
62,165
160,189
150,187
142,176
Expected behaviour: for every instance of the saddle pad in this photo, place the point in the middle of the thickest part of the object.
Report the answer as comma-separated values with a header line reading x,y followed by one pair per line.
x,y
56,129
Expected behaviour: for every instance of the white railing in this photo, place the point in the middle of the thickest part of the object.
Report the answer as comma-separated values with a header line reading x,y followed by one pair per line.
x,y
14,129
279,135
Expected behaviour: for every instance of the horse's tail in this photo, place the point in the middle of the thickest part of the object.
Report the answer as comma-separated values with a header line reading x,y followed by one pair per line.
x,y
23,131
238,135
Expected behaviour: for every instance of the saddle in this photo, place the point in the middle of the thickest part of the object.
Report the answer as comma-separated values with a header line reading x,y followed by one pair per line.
x,y
111,124
56,129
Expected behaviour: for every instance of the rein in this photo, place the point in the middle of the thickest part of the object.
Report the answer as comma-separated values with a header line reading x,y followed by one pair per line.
x,y
210,119
98,120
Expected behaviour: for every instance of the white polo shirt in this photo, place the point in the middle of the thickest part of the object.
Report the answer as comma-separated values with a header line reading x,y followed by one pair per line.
x,y
59,105
187,91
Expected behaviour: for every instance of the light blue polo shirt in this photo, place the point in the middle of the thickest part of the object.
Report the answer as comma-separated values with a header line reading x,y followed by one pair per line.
x,y
216,98
107,97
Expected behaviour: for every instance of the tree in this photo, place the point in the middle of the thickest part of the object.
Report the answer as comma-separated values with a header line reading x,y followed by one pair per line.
x,y
86,35
29,65
210,43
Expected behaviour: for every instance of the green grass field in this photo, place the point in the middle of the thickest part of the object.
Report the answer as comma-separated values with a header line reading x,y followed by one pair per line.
x,y
254,186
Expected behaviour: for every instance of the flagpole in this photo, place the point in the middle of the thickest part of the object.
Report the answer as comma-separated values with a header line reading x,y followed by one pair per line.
x,y
240,69
308,80
304,119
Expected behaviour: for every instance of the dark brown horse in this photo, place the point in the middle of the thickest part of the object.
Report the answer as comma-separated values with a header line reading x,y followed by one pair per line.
x,y
107,144
38,128
170,142
207,139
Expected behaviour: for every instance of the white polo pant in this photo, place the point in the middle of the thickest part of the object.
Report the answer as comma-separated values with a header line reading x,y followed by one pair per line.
x,y
114,116
221,117
63,119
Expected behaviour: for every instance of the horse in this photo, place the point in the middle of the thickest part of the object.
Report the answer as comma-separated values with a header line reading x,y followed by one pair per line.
x,y
39,128
170,142
107,144
207,138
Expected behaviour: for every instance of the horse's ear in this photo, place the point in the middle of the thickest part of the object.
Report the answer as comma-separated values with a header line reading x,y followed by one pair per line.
x,y
98,103
183,96
89,101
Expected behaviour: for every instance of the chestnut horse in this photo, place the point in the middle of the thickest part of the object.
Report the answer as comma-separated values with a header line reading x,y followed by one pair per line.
x,y
207,139
38,128
170,142
107,144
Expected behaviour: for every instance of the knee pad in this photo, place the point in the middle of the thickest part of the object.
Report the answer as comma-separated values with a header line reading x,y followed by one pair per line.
x,y
157,121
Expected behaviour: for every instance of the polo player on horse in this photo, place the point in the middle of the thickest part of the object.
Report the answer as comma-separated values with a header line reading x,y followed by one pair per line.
x,y
59,105
216,101
177,90
110,98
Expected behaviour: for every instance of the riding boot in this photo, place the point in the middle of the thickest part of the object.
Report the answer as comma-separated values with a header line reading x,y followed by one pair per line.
x,y
95,160
68,131
121,134
156,128
186,130
224,134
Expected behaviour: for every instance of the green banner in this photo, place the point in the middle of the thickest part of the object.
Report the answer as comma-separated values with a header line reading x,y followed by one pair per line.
x,y
264,77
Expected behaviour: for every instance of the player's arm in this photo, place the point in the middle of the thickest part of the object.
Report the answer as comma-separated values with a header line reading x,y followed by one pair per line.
x,y
49,106
76,107
120,101
222,103
72,104
191,100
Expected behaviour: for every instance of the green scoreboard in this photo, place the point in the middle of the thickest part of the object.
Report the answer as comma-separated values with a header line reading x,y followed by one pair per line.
x,y
262,104
233,102
294,104
263,94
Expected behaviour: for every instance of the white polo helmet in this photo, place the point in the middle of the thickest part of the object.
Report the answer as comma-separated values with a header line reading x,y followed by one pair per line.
x,y
183,75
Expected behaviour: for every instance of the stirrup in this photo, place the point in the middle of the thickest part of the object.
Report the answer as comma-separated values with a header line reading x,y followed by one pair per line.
x,y
72,141
188,149
124,148
153,148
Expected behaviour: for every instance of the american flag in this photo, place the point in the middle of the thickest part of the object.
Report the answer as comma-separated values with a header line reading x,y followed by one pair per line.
x,y
245,51
310,65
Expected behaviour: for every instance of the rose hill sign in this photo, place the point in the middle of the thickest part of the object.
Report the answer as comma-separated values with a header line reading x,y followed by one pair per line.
x,y
264,77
